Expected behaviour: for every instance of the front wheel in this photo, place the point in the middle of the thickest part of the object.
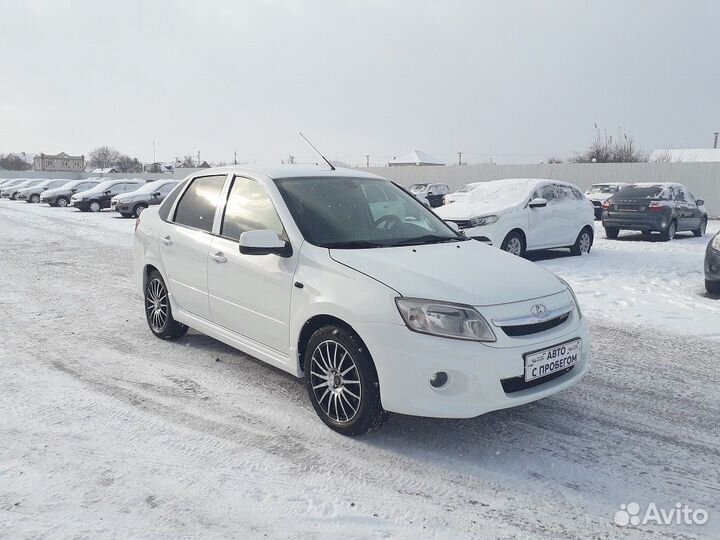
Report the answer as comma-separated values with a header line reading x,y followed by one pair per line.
x,y
612,232
583,243
138,209
341,381
514,243
700,231
62,202
94,206
35,198
158,311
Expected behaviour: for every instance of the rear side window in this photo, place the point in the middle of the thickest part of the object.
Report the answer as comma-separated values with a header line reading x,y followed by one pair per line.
x,y
198,204
249,208
164,210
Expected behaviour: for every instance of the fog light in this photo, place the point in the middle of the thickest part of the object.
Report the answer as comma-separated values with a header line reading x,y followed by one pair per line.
x,y
439,379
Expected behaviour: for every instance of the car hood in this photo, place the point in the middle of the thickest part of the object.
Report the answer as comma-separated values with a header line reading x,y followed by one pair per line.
x,y
56,191
462,272
599,196
464,209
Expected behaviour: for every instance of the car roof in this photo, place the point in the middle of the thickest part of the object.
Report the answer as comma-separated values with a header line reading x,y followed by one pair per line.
x,y
610,184
287,171
662,184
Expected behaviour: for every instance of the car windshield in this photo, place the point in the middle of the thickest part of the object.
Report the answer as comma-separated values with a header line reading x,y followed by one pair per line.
x,y
354,213
500,193
641,192
418,187
102,186
150,187
601,189
467,188
71,184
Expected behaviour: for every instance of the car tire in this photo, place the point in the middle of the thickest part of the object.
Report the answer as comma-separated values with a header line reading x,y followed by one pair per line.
x,y
583,243
158,311
125,214
669,233
514,243
34,198
612,232
342,382
647,235
138,209
94,206
13,197
700,231
713,287
62,202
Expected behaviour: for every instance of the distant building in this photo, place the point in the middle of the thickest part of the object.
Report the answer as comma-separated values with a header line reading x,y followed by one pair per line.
x,y
204,165
159,167
416,157
106,170
685,155
60,162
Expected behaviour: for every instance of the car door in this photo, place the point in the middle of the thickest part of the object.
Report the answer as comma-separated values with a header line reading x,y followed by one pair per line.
x,y
185,241
250,294
692,216
544,222
569,214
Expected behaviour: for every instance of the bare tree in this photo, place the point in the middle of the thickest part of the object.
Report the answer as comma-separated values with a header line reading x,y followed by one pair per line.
x,y
103,157
13,163
126,164
187,162
607,150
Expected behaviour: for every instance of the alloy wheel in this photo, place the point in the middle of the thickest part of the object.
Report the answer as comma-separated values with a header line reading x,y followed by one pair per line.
x,y
671,230
62,203
514,246
94,207
335,381
156,305
584,243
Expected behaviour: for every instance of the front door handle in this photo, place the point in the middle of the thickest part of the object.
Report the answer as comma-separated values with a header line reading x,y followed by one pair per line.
x,y
166,240
218,257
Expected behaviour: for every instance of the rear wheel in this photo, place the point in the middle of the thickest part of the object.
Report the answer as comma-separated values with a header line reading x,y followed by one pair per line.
x,y
700,231
94,206
341,381
62,202
612,232
158,311
669,233
583,243
34,198
713,287
514,243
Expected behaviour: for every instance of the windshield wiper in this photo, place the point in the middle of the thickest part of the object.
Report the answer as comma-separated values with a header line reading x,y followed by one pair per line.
x,y
352,244
429,239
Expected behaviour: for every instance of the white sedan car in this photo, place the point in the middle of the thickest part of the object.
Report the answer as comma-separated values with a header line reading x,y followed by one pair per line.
x,y
461,193
391,312
519,215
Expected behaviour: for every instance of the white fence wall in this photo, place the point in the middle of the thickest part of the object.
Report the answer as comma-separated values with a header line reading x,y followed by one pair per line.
x,y
703,179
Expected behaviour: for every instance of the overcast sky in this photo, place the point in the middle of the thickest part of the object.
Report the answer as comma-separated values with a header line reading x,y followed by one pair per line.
x,y
518,81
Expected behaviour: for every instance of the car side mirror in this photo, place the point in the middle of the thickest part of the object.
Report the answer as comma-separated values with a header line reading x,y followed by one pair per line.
x,y
264,242
106,192
700,202
537,203
73,190
453,226
156,194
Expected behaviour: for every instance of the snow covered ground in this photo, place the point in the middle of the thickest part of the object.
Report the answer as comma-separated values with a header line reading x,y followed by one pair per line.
x,y
107,432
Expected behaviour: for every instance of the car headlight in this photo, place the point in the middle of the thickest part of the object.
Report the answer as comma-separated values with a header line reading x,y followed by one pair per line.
x,y
483,220
716,242
444,319
572,293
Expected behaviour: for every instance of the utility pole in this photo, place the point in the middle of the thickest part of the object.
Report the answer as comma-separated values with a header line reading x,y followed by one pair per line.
x,y
367,160
235,158
198,161
716,138
459,158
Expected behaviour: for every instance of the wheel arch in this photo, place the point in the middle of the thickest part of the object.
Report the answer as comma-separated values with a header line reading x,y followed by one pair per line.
x,y
315,323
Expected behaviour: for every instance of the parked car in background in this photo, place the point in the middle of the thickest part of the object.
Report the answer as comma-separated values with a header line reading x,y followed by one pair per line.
x,y
662,207
398,313
7,184
99,196
133,203
599,193
60,196
430,194
712,265
12,191
461,193
520,215
32,194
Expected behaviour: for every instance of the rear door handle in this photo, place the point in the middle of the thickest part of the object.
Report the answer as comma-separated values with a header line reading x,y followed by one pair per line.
x,y
218,257
166,240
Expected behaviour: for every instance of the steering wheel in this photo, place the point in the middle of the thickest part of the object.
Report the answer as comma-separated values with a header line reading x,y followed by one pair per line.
x,y
390,221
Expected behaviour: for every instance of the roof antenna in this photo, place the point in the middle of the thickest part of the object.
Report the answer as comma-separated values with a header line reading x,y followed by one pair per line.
x,y
332,168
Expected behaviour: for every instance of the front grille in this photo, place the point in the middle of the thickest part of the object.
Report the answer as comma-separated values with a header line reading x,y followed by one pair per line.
x,y
528,329
516,384
461,223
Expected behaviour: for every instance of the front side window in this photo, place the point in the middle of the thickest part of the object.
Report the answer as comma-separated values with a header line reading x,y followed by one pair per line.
x,y
249,208
198,204
343,213
167,188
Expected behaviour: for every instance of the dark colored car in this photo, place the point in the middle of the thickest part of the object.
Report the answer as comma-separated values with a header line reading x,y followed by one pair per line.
x,y
665,208
98,197
150,194
61,196
712,265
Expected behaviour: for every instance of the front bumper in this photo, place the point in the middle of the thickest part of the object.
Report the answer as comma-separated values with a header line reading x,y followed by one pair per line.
x,y
405,362
636,221
123,207
712,264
